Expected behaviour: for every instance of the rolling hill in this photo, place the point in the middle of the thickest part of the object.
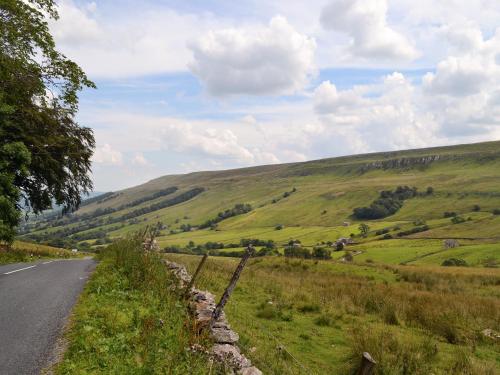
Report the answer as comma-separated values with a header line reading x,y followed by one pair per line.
x,y
312,202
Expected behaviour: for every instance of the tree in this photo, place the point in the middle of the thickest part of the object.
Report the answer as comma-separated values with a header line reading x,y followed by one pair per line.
x,y
364,229
45,155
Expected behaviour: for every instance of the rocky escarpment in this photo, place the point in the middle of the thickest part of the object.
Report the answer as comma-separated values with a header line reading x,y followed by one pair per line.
x,y
202,305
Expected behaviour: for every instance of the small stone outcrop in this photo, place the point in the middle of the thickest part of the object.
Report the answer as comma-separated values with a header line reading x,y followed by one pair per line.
x,y
202,305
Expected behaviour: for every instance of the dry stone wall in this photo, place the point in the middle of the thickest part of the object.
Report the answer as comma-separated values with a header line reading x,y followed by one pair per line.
x,y
202,305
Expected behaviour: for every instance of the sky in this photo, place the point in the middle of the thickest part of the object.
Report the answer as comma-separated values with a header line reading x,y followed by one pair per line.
x,y
185,86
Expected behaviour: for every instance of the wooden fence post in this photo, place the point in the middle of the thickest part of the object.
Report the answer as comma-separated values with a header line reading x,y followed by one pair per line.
x,y
232,284
198,269
367,364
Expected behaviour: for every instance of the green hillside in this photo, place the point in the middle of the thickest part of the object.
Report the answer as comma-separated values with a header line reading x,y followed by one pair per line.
x,y
312,202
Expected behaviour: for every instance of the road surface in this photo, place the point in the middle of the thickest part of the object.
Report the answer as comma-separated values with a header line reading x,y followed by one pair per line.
x,y
35,300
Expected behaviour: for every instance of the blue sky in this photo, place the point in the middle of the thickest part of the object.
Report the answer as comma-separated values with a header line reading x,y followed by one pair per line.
x,y
203,85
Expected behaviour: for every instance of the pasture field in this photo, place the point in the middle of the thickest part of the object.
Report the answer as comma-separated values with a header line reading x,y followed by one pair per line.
x,y
303,316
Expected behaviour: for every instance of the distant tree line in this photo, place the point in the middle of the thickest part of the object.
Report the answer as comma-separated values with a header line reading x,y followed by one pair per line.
x,y
84,226
109,210
97,199
238,209
286,194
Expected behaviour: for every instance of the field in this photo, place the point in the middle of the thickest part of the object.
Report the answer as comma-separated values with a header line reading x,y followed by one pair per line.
x,y
304,316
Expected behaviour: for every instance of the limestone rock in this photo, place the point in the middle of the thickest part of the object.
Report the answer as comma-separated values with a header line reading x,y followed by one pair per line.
x,y
231,355
224,336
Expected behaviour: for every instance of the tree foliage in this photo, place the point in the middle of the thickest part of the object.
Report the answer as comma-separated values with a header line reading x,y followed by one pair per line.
x,y
38,101
388,203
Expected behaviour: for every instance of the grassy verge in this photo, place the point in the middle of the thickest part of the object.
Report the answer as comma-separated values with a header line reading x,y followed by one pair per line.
x,y
26,252
128,321
413,320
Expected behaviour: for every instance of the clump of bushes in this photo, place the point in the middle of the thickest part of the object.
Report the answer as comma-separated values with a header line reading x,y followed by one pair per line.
x,y
382,231
388,203
454,262
448,214
496,211
321,253
279,227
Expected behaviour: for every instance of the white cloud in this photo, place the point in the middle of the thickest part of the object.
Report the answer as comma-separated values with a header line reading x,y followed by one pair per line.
x,y
365,22
473,70
260,60
106,155
134,43
326,97
139,159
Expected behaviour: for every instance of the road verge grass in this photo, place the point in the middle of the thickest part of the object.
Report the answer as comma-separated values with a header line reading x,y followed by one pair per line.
x,y
22,251
129,321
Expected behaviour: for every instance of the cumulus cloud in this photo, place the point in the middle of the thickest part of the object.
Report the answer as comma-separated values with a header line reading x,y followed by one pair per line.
x,y
139,159
262,60
364,21
145,41
473,70
107,155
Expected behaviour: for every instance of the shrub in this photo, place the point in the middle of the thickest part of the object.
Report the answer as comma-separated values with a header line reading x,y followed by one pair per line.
x,y
476,208
387,237
496,211
457,220
279,227
382,231
447,214
454,262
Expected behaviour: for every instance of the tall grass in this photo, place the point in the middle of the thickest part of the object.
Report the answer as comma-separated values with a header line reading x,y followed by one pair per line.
x,y
130,321
25,252
403,310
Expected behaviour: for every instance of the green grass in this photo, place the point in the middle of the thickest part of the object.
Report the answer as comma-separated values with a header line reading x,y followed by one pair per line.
x,y
421,319
128,320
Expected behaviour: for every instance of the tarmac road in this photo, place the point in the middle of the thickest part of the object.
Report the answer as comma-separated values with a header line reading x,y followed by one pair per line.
x,y
35,300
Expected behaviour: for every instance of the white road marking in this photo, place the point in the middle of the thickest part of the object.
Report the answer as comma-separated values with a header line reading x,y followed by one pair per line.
x,y
50,261
20,269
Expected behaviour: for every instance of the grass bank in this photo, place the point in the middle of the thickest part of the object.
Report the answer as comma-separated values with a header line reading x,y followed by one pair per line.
x,y
128,320
303,316
22,251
